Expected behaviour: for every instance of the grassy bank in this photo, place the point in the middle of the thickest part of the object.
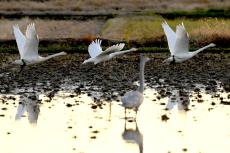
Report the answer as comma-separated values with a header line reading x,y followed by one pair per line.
x,y
195,14
143,31
148,30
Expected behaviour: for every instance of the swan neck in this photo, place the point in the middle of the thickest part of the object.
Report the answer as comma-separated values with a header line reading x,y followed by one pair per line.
x,y
142,67
121,52
201,49
54,55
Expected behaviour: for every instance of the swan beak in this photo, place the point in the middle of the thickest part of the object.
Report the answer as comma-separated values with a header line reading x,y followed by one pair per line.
x,y
148,59
134,49
212,45
166,61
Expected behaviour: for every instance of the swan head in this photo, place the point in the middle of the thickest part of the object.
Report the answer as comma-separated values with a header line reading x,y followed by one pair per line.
x,y
85,62
17,62
90,60
63,53
168,60
144,59
212,45
133,49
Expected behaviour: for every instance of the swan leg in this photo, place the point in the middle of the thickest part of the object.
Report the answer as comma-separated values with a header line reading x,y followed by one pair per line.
x,y
136,127
125,114
173,62
125,125
136,109
110,110
22,66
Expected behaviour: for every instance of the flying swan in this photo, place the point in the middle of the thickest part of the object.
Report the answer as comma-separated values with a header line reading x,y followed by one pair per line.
x,y
179,44
28,47
97,55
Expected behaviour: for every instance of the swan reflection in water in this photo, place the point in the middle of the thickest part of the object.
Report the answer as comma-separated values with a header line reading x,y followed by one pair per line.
x,y
131,135
28,102
179,97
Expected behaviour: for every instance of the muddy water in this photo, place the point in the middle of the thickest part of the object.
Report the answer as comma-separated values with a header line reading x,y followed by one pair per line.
x,y
61,106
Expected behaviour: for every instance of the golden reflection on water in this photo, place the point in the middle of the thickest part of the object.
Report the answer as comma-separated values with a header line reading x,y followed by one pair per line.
x,y
81,129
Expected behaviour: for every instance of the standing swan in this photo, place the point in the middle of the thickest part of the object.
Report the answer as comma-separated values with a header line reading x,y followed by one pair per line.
x,y
179,44
28,47
133,99
97,55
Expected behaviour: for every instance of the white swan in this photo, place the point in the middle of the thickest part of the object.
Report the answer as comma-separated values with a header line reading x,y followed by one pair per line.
x,y
97,55
133,99
28,46
179,44
28,102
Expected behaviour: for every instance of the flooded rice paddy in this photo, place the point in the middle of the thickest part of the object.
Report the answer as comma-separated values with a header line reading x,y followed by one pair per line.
x,y
63,106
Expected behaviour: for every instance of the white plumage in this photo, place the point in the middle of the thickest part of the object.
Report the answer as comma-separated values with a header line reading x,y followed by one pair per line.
x,y
97,55
28,46
29,103
179,98
179,44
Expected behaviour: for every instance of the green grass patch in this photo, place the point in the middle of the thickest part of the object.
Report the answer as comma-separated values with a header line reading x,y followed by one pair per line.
x,y
197,13
147,30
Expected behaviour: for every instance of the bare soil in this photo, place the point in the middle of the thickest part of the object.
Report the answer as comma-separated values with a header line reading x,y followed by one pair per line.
x,y
117,75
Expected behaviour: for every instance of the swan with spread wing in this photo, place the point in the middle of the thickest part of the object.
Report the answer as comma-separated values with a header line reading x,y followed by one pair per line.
x,y
28,47
97,55
179,44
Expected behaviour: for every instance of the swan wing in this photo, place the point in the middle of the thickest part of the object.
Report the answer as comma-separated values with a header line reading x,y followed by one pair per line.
x,y
170,35
132,99
33,112
113,49
182,40
31,44
170,105
20,39
20,111
94,48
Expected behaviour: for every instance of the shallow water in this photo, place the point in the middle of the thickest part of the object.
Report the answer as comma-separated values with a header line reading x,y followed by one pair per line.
x,y
62,106
75,123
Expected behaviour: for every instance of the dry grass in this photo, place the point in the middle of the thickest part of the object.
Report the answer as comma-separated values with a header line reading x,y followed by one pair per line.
x,y
212,30
92,5
136,28
141,28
